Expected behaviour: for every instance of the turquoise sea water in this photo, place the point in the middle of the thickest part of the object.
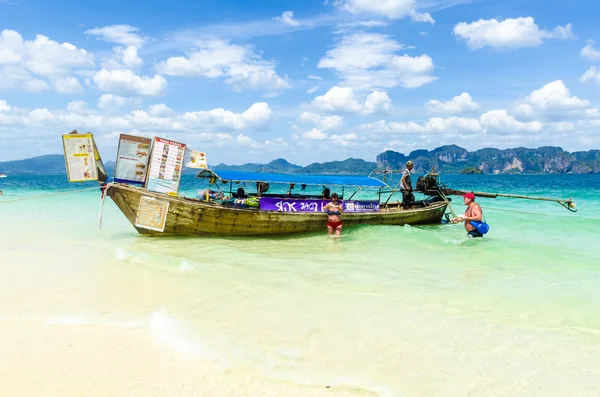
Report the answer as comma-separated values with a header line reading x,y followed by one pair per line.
x,y
388,311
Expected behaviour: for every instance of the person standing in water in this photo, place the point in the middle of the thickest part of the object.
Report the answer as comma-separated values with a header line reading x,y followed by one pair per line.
x,y
334,212
473,213
406,186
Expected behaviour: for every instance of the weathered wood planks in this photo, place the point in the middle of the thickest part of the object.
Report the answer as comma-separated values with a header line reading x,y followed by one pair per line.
x,y
193,217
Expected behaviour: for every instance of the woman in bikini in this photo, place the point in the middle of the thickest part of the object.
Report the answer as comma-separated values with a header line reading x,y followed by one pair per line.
x,y
334,215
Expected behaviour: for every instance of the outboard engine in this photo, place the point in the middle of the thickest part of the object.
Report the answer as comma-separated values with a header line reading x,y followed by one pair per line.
x,y
428,185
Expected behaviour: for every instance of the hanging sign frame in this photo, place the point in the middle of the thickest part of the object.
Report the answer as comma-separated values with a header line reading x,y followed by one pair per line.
x,y
80,157
165,166
132,159
152,214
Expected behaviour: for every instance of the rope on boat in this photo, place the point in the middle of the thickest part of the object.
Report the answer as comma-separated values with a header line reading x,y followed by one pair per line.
x,y
104,190
520,212
48,195
448,202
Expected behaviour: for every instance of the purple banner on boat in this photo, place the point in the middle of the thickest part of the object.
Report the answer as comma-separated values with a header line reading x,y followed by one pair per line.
x,y
316,205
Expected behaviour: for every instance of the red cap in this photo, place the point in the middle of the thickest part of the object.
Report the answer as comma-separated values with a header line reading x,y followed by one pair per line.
x,y
469,196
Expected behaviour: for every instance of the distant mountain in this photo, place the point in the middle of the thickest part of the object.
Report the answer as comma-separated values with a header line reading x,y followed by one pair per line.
x,y
453,159
275,166
348,166
449,159
48,164
110,167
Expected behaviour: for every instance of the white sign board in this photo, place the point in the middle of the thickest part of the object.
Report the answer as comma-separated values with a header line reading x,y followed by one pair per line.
x,y
80,157
166,163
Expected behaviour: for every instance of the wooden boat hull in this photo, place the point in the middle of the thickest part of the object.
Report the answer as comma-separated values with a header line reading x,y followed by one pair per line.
x,y
188,217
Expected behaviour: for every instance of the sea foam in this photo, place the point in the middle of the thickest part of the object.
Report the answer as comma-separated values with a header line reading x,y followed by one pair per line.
x,y
171,333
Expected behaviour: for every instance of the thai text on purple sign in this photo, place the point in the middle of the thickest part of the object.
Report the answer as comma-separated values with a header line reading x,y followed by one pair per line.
x,y
307,205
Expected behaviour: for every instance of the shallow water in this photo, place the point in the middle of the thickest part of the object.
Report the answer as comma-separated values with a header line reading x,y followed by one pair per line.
x,y
386,311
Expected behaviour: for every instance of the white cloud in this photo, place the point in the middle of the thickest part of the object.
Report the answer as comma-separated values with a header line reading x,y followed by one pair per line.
x,y
30,65
592,113
16,77
590,53
312,89
392,9
238,65
309,117
160,110
125,82
343,100
329,123
122,34
591,76
555,96
48,58
68,86
497,122
508,33
501,122
4,107
79,107
367,60
365,24
377,102
258,116
40,115
35,85
313,77
337,99
345,137
561,126
422,17
288,18
435,125
77,115
324,123
459,104
524,109
244,140
11,47
123,58
113,102
315,134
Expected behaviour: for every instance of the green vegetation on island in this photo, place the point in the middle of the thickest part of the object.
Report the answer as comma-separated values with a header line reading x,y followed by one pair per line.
x,y
471,171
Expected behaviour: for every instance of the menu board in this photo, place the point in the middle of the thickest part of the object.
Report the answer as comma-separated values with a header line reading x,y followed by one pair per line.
x,y
132,159
80,157
165,166
196,160
152,214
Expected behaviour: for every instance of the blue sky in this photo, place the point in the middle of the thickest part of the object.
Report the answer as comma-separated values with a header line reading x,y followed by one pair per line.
x,y
308,81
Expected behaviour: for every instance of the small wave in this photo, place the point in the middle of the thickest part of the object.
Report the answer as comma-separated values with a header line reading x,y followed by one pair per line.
x,y
124,255
187,266
454,241
172,333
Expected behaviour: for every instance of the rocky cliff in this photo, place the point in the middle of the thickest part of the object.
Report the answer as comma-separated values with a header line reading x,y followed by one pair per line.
x,y
454,159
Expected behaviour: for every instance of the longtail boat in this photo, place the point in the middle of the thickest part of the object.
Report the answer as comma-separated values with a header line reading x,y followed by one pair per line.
x,y
280,215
